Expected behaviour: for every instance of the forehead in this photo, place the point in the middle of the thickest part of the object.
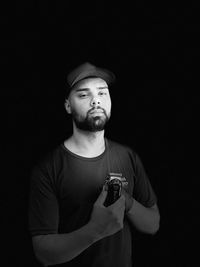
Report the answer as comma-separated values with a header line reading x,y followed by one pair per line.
x,y
91,83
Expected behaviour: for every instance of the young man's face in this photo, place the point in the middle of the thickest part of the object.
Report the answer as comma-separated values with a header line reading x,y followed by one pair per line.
x,y
90,104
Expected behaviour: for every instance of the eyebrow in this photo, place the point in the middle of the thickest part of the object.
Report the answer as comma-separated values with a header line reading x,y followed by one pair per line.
x,y
87,89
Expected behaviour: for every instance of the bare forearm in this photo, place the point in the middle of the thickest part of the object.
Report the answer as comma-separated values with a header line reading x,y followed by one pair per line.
x,y
144,219
59,248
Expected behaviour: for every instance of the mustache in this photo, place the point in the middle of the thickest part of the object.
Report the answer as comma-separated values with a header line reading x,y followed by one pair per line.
x,y
98,108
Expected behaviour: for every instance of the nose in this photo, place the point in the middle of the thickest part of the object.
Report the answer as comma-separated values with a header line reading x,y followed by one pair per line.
x,y
95,102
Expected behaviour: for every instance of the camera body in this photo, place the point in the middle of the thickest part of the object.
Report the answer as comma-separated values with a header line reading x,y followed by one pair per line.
x,y
114,184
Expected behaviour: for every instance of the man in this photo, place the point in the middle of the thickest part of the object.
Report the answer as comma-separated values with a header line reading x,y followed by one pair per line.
x,y
69,221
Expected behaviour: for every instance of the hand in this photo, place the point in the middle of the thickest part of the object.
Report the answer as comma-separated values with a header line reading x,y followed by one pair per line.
x,y
128,200
107,220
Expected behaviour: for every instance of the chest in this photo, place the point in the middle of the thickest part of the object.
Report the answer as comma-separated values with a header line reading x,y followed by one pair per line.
x,y
81,181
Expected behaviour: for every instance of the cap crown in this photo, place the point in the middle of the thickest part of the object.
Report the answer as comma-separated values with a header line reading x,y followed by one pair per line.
x,y
87,70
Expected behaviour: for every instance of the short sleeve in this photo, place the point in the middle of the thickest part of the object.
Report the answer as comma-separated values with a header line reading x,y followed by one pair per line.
x,y
43,204
143,191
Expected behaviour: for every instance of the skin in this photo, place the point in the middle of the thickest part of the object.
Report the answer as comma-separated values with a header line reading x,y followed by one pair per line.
x,y
88,95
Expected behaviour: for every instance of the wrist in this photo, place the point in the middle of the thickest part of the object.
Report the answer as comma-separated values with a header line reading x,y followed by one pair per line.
x,y
94,231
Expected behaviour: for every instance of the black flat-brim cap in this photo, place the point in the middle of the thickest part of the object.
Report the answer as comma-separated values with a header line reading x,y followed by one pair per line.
x,y
87,70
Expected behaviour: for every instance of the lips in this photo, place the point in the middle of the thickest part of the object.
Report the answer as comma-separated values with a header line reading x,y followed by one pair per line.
x,y
96,111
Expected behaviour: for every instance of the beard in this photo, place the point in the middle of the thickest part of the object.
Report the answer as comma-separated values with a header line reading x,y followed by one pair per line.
x,y
91,123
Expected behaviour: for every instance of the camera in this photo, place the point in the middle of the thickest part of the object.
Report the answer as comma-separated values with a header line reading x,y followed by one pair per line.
x,y
114,187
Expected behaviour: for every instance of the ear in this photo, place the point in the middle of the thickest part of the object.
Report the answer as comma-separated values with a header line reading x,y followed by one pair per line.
x,y
67,106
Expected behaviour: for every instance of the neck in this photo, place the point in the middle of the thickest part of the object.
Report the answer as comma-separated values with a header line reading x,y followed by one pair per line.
x,y
88,142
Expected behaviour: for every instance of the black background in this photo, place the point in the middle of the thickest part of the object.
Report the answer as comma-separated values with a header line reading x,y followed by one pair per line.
x,y
154,52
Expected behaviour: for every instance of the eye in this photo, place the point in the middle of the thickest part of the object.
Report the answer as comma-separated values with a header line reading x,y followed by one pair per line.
x,y
82,95
102,93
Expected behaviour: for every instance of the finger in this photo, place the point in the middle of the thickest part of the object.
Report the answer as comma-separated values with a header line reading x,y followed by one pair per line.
x,y
123,192
102,197
122,201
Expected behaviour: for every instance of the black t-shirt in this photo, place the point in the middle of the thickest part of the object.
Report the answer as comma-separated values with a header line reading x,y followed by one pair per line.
x,y
64,187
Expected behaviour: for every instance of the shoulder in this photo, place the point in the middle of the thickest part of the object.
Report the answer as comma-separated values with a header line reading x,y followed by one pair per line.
x,y
49,159
122,148
43,173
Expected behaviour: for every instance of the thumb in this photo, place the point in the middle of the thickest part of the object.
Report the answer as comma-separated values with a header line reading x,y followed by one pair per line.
x,y
102,197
